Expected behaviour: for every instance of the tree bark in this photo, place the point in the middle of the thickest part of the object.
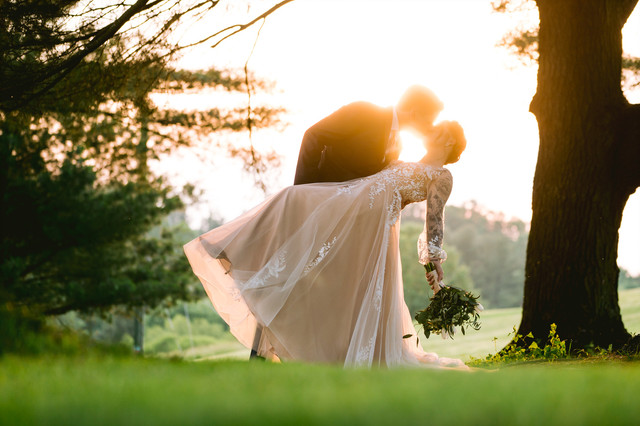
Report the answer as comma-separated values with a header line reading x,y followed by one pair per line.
x,y
584,173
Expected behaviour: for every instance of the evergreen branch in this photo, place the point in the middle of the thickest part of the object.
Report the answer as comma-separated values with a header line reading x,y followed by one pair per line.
x,y
66,66
172,20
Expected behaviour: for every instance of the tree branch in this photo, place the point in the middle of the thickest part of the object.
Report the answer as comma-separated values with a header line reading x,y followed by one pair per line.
x,y
175,18
102,36
238,27
247,25
27,88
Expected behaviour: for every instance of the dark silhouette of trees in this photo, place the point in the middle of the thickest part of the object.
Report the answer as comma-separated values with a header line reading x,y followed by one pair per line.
x,y
44,41
81,211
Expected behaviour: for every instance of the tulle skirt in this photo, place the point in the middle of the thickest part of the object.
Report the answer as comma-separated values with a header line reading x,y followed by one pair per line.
x,y
317,267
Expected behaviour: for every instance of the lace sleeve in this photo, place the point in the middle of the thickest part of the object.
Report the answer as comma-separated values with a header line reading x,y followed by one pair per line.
x,y
430,241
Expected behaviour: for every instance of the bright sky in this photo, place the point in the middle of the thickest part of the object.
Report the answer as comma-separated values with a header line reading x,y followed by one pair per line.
x,y
323,54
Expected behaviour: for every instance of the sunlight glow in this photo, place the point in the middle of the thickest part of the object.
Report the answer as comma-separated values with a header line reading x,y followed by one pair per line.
x,y
373,52
412,147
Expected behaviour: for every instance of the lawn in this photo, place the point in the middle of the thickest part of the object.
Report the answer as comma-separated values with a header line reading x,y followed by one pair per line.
x,y
497,324
130,391
110,390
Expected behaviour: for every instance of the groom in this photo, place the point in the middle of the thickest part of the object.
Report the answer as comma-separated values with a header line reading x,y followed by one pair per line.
x,y
360,139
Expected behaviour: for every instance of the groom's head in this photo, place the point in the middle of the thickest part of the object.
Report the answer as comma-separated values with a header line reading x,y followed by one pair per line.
x,y
420,106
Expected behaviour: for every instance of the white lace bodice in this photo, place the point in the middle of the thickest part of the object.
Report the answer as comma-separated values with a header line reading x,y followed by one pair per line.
x,y
412,180
415,182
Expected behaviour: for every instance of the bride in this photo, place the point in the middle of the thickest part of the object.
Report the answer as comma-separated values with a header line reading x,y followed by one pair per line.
x,y
317,266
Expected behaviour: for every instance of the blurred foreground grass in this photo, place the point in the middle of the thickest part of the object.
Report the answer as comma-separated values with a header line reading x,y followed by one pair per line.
x,y
134,391
93,389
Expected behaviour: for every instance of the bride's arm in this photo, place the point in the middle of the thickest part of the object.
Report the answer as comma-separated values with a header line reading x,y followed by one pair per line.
x,y
430,241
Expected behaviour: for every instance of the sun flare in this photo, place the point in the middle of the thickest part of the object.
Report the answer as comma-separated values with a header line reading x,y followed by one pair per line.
x,y
412,147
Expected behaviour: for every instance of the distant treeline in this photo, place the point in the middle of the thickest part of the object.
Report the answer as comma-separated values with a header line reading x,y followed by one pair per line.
x,y
486,254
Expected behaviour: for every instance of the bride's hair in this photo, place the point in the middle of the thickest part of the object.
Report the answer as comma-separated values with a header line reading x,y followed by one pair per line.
x,y
455,130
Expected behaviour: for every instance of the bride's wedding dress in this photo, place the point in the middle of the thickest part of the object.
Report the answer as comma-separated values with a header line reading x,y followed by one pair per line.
x,y
318,267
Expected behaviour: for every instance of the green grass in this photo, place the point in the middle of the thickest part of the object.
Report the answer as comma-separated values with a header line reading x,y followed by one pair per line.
x,y
111,391
630,307
91,389
492,336
495,323
498,323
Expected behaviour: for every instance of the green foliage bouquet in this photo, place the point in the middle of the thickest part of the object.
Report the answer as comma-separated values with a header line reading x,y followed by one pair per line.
x,y
450,307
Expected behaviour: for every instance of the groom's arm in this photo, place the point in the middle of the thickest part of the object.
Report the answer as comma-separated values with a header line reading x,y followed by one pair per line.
x,y
343,123
336,132
307,170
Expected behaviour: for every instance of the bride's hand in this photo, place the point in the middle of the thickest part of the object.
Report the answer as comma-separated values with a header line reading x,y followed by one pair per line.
x,y
439,270
435,287
435,277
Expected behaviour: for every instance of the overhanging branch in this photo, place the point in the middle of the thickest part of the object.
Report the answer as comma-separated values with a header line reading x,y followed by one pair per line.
x,y
102,36
247,25
237,28
26,88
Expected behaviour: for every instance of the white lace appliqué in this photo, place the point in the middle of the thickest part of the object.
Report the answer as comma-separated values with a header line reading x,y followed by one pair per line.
x,y
407,178
346,189
394,208
435,249
322,253
365,352
236,295
377,298
270,271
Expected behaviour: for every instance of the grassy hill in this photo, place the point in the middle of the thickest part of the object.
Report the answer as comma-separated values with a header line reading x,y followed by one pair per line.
x,y
497,324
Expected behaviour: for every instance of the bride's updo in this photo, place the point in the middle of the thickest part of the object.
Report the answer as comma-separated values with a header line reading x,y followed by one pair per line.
x,y
459,141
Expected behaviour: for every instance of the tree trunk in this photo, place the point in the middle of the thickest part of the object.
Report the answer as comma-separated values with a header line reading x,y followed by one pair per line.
x,y
583,177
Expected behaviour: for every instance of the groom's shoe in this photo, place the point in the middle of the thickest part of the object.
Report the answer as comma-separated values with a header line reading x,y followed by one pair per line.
x,y
256,344
255,357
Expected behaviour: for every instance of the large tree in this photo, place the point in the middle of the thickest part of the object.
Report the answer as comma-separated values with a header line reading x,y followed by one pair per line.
x,y
586,170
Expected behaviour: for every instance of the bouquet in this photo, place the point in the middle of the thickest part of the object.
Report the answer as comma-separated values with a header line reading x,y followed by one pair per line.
x,y
448,308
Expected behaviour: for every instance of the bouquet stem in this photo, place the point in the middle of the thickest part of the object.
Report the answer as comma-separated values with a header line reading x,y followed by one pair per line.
x,y
430,267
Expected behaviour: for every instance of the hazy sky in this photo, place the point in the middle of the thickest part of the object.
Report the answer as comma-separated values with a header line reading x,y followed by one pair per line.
x,y
323,54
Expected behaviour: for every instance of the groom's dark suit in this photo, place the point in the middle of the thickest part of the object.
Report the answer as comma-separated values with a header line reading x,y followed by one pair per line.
x,y
348,144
